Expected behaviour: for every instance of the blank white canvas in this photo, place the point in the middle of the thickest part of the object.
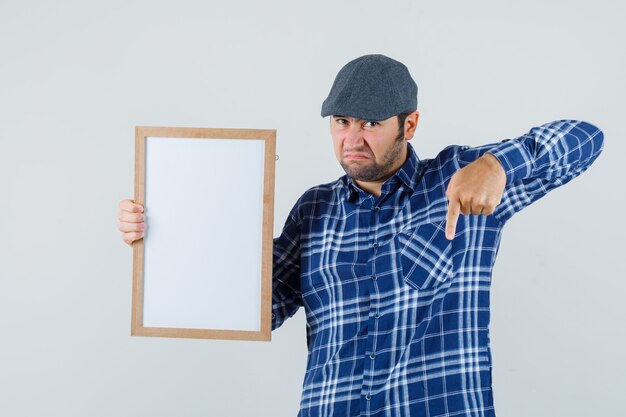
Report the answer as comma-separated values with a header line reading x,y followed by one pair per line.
x,y
204,216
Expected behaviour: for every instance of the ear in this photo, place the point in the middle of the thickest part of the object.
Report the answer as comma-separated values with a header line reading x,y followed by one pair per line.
x,y
410,123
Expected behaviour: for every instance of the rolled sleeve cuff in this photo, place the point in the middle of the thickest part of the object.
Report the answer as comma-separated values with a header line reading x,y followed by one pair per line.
x,y
515,160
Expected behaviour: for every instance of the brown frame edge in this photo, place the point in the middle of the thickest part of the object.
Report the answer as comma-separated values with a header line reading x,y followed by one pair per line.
x,y
269,136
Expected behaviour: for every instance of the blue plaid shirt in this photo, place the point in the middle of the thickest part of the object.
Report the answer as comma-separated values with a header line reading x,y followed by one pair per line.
x,y
397,315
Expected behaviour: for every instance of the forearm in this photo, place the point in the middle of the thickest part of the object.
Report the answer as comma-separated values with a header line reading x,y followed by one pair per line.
x,y
556,151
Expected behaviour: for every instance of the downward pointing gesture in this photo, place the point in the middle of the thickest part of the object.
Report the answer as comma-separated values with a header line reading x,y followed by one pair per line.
x,y
454,209
476,189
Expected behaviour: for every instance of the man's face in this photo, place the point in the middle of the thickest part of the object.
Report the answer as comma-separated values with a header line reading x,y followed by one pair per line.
x,y
368,150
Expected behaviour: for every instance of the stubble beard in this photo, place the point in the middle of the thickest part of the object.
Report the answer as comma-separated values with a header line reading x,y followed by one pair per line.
x,y
374,171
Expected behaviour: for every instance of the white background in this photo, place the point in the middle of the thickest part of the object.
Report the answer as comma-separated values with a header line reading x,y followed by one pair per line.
x,y
77,76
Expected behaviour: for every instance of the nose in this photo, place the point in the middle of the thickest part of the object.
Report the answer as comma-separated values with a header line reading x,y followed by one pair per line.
x,y
353,138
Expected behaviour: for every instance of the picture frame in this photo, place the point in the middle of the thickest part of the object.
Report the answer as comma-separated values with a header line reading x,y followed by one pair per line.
x,y
204,266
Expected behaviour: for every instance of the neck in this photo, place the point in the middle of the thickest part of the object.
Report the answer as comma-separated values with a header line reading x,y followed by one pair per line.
x,y
372,187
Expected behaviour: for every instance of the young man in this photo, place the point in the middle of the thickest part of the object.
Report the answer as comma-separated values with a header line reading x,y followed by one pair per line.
x,y
394,283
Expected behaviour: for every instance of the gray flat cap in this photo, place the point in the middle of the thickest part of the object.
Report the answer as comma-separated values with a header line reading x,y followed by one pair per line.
x,y
372,87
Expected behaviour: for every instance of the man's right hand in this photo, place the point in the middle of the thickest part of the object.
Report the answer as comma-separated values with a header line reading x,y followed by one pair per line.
x,y
132,224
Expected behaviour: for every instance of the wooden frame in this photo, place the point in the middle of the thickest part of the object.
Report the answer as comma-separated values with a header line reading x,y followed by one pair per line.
x,y
183,153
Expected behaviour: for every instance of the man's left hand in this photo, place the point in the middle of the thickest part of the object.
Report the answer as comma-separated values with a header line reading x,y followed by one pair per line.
x,y
476,188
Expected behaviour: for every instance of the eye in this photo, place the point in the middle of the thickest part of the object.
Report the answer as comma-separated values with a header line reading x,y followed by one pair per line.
x,y
341,121
371,123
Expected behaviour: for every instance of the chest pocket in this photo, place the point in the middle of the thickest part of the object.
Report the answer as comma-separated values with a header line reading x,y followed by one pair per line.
x,y
424,255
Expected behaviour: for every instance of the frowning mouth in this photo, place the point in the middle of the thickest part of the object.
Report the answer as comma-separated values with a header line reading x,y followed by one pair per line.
x,y
356,156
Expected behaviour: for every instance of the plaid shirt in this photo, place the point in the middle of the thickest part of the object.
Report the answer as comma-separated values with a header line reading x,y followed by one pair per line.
x,y
397,315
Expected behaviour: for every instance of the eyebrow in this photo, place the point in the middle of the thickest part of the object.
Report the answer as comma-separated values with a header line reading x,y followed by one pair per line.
x,y
338,116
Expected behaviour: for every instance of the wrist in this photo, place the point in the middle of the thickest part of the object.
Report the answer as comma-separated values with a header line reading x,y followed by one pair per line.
x,y
494,162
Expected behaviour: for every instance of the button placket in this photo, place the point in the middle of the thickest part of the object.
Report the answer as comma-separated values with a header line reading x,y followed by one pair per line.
x,y
375,210
375,245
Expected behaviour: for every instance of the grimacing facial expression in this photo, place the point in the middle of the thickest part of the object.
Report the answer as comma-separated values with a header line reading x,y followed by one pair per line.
x,y
368,150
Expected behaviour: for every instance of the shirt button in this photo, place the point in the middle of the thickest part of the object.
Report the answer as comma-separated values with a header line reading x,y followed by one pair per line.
x,y
374,277
377,209
375,245
368,397
376,316
273,315
372,356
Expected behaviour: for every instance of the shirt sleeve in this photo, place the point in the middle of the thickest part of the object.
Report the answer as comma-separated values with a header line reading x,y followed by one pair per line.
x,y
286,293
546,157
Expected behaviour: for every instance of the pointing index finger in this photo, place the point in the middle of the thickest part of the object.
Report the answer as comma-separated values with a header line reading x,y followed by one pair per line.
x,y
454,208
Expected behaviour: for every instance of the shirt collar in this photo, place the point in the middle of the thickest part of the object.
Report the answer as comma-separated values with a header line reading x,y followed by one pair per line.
x,y
408,174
